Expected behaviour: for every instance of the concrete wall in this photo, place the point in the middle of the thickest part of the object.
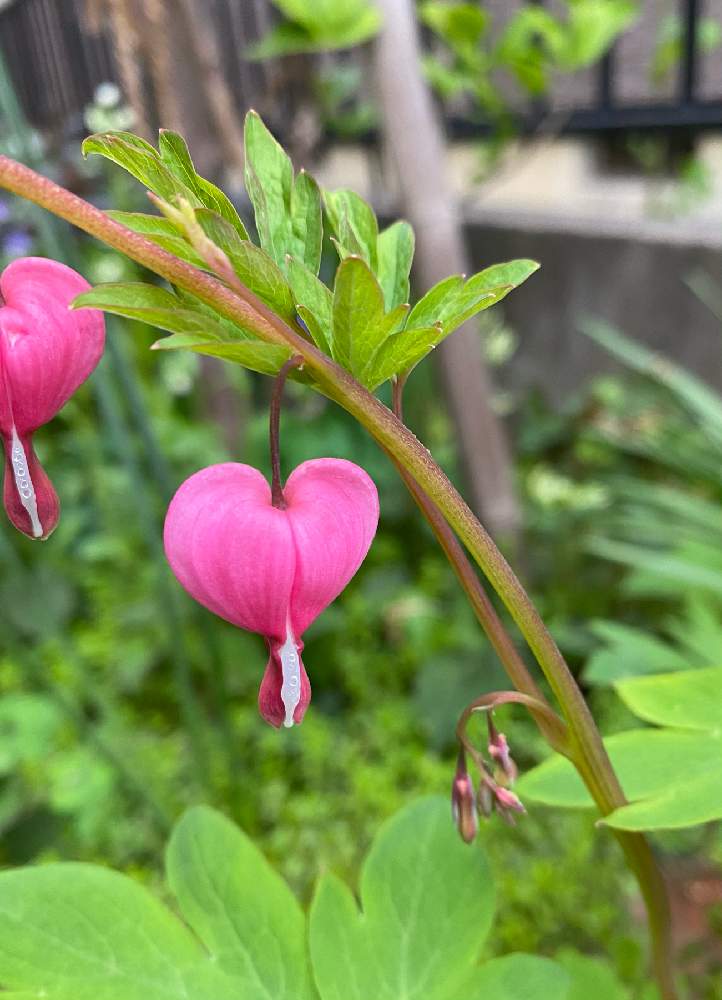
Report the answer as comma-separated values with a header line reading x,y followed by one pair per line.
x,y
637,285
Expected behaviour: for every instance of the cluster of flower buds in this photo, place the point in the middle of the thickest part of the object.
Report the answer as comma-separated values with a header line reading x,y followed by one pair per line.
x,y
493,794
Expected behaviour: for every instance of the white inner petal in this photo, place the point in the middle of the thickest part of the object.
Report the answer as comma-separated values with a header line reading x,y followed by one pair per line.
x,y
24,484
291,673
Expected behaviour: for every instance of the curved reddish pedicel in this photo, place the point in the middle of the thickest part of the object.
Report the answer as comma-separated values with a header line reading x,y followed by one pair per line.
x,y
268,570
47,350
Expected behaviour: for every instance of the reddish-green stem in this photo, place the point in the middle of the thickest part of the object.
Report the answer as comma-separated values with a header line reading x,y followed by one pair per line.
x,y
243,307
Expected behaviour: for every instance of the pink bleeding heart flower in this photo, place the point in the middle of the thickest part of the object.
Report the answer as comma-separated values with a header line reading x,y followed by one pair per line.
x,y
46,352
268,569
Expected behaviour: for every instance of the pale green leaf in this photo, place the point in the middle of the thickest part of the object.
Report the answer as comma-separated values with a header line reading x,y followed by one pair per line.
x,y
287,211
241,910
401,352
399,949
354,223
162,232
77,932
174,154
591,978
358,307
140,159
648,762
306,221
395,255
266,359
453,300
431,308
314,302
629,652
688,700
689,802
320,337
517,977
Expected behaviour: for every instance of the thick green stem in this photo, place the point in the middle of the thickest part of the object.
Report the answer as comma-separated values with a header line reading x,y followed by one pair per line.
x,y
586,747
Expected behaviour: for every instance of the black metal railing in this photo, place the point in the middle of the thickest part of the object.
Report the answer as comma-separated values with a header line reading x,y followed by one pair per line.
x,y
56,64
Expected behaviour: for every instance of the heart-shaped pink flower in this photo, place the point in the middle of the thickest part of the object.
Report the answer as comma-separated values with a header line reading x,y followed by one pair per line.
x,y
46,352
272,570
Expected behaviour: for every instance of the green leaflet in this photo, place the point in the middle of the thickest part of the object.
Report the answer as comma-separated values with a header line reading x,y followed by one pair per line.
x,y
518,977
289,39
689,699
174,154
354,223
453,300
162,232
402,948
395,253
194,326
287,209
360,324
168,172
314,302
239,907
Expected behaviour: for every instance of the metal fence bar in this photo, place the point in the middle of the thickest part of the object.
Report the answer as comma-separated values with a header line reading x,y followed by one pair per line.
x,y
690,17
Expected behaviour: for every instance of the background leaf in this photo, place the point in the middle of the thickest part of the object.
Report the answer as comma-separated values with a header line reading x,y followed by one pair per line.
x,y
77,932
417,871
241,910
690,700
518,977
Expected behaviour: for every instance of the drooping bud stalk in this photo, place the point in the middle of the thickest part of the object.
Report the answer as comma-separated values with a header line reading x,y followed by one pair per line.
x,y
463,801
272,570
46,352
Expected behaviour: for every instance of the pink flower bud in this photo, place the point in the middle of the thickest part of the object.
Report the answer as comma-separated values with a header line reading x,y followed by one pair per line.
x,y
463,802
46,352
499,753
507,803
272,570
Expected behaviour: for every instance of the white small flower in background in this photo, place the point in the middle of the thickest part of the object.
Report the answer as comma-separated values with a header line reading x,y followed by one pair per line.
x,y
108,112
